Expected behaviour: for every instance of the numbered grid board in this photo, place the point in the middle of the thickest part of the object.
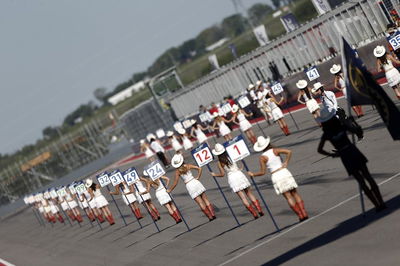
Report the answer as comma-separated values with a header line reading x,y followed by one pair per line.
x,y
226,108
103,179
80,188
62,192
160,133
243,101
131,176
72,188
277,88
53,194
187,123
202,155
46,195
237,149
312,73
155,170
116,178
204,117
394,40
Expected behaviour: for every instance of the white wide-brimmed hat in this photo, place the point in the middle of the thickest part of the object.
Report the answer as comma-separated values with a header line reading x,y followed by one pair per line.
x,y
177,160
218,149
142,141
301,84
150,136
181,131
193,121
235,108
379,51
215,115
170,133
258,83
145,173
335,69
261,143
317,86
88,182
325,115
251,86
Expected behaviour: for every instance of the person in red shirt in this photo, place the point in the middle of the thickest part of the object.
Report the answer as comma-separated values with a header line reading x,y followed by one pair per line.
x,y
213,109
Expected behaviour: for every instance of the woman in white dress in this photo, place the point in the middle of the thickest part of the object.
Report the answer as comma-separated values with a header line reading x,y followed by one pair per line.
x,y
101,201
277,112
173,140
128,197
282,180
197,132
340,84
305,97
144,197
187,143
92,210
236,180
385,62
72,205
163,197
195,189
240,118
145,148
219,123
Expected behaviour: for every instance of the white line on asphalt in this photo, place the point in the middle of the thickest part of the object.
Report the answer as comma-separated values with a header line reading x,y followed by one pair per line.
x,y
6,263
300,224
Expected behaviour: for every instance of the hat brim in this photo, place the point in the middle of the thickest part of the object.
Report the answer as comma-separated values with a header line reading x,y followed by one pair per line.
x,y
377,54
177,164
260,147
217,152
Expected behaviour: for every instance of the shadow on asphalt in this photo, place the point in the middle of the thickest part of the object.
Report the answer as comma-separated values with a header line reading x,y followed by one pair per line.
x,y
347,227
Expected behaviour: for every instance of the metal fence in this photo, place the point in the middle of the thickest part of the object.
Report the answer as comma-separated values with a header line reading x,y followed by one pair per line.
x,y
359,21
54,160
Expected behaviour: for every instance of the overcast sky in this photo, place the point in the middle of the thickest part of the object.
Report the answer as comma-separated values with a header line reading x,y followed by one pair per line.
x,y
54,53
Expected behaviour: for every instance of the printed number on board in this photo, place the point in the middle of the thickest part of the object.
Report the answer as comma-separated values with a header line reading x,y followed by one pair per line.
x,y
61,192
237,149
203,157
226,108
80,188
395,41
131,177
116,178
155,171
53,193
312,73
204,117
104,180
277,88
243,101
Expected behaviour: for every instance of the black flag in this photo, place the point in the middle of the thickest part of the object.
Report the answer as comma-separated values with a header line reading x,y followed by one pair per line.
x,y
363,89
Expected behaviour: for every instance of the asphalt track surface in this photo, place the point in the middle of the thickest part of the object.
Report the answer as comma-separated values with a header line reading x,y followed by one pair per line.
x,y
335,234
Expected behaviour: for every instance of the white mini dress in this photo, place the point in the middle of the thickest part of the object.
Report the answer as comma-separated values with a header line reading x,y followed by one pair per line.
x,y
201,137
100,200
161,194
141,198
236,179
175,144
193,186
223,129
312,104
391,73
275,110
187,143
244,124
282,179
128,198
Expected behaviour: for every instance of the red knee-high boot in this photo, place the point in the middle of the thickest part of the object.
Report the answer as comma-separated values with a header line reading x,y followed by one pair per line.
x,y
258,207
137,213
176,217
100,218
287,131
284,130
60,218
211,209
296,209
252,211
208,214
302,210
157,213
79,218
110,219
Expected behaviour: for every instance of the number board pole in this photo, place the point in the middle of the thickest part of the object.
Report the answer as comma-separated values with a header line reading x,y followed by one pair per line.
x,y
223,195
262,131
116,205
176,206
71,209
290,113
83,194
261,196
212,135
130,206
77,198
40,217
66,216
36,216
147,208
